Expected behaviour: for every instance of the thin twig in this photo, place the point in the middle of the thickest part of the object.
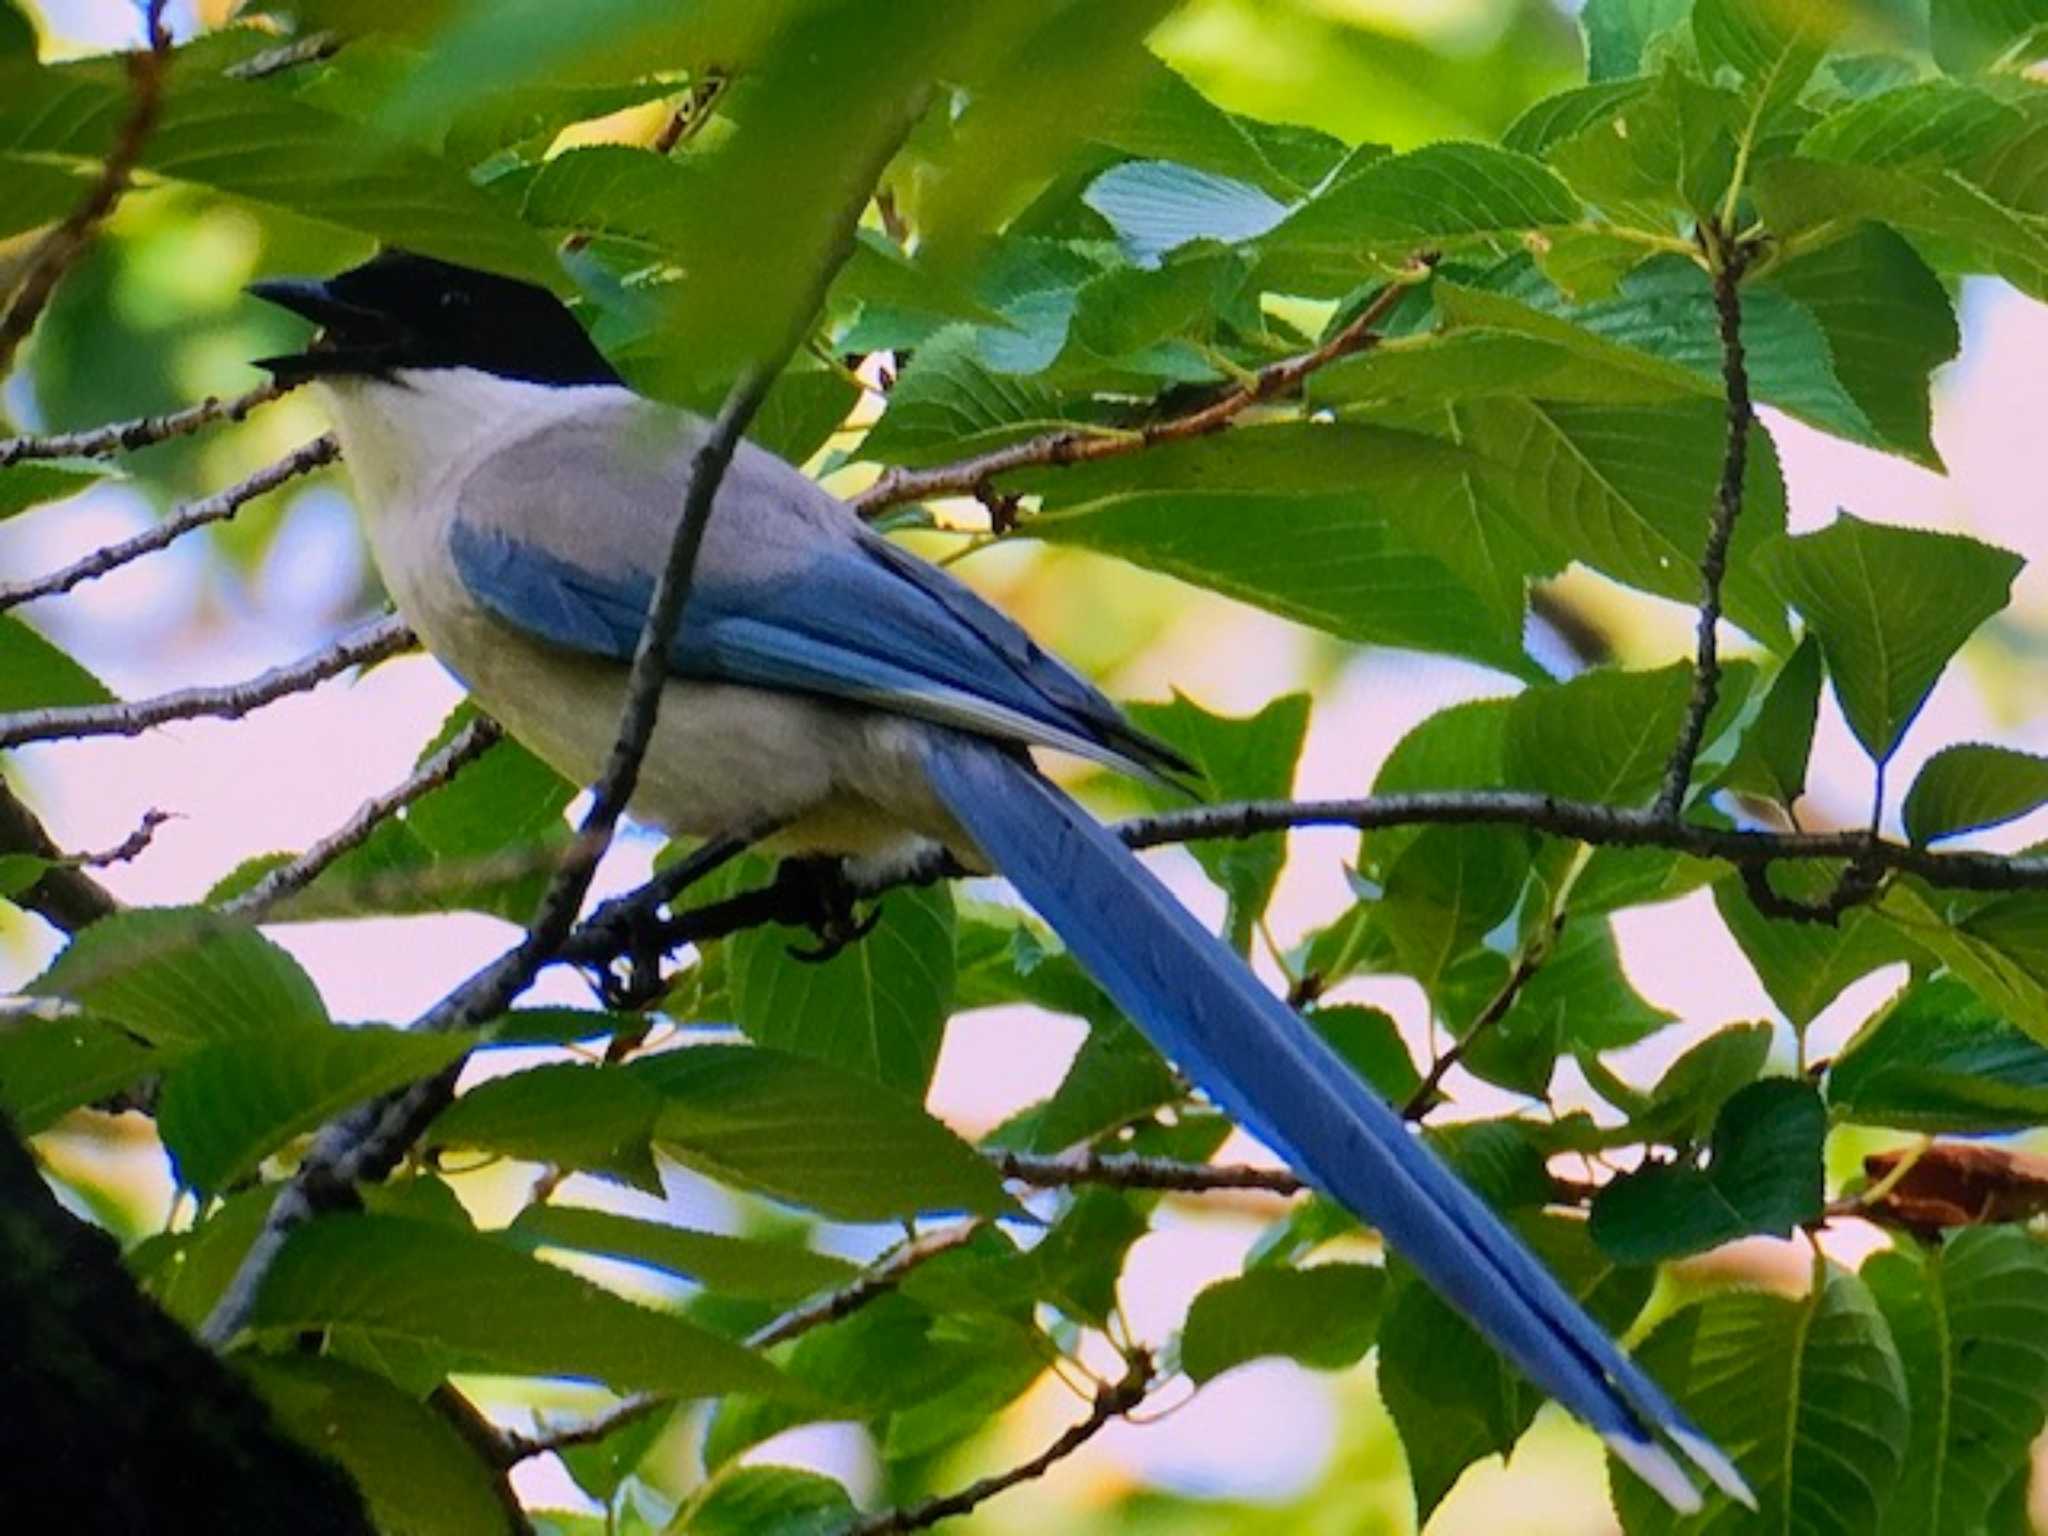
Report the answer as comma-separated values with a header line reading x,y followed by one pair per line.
x,y
876,1281
218,507
1112,1401
972,476
1729,258
470,743
65,896
310,49
1527,964
56,251
143,432
1124,1171
373,642
369,1140
130,847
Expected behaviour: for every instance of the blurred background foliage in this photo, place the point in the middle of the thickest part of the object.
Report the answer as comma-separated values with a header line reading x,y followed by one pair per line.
x,y
154,318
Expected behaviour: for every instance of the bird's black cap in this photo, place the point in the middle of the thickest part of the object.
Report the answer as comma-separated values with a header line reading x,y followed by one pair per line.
x,y
400,310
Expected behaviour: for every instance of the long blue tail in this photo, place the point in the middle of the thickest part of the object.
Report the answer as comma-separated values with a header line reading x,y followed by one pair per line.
x,y
1253,1055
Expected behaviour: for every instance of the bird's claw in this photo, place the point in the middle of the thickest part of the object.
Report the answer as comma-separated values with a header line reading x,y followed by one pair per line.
x,y
824,901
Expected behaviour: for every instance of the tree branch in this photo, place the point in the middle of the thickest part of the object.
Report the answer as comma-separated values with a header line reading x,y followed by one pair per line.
x,y
469,744
310,49
376,641
143,432
1729,258
1121,1171
63,245
1112,1401
973,475
369,1141
218,507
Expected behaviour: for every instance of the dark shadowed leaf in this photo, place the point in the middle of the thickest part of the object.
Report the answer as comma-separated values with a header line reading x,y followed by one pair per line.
x,y
767,1501
1771,759
1763,1174
738,1266
49,1067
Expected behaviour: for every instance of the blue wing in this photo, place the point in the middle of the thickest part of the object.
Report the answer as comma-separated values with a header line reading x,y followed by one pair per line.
x,y
862,621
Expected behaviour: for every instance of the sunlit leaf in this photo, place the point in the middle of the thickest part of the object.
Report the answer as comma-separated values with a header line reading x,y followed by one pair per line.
x,y
1326,1317
738,1266
1971,786
1935,1058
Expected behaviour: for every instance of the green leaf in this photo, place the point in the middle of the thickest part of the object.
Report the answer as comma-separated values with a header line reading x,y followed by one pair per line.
x,y
877,1008
994,1361
417,1282
1370,1042
1771,46
1567,112
29,485
256,143
807,1133
416,1472
1326,1316
1250,757
1891,607
1619,33
1973,35
1604,736
1936,1059
1157,207
1804,966
1974,785
1968,1319
1332,562
1074,1266
34,674
1401,205
1928,123
49,1067
1453,1399
597,1118
1999,947
734,1266
1887,323
1810,202
17,34
1688,1097
1672,146
1806,1395
947,404
768,1501
1763,1174
185,976
1627,491
232,1103
1772,757
1451,887
1580,1000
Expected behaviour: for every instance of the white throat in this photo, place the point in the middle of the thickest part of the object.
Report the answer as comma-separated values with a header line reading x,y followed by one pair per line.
x,y
408,439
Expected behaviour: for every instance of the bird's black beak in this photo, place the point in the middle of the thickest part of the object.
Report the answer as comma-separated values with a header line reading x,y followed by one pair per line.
x,y
351,340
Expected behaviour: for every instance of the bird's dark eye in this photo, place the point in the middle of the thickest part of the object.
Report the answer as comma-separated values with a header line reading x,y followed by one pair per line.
x,y
453,301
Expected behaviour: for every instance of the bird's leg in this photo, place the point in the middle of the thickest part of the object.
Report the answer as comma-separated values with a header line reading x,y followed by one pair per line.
x,y
822,899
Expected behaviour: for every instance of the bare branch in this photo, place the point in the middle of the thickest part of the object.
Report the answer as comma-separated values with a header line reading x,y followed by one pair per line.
x,y
1112,1401
310,49
375,641
877,1280
64,244
972,476
1121,1171
196,514
469,744
130,847
143,432
66,897
1729,258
